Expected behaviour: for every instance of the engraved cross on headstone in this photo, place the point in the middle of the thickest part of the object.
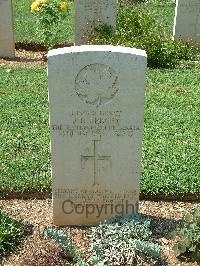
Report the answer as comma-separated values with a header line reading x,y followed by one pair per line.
x,y
96,157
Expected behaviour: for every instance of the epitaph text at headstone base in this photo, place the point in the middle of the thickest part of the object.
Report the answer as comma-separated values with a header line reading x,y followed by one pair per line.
x,y
96,96
187,22
90,14
7,46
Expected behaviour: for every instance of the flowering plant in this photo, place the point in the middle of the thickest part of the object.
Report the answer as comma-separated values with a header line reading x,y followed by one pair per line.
x,y
50,15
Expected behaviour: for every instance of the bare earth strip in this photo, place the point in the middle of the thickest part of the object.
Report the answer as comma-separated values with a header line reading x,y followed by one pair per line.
x,y
25,58
37,214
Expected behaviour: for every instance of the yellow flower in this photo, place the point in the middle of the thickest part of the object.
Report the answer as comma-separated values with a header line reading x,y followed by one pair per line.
x,y
37,5
63,6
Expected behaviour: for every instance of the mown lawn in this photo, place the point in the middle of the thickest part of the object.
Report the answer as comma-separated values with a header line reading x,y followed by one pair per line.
x,y
171,136
24,146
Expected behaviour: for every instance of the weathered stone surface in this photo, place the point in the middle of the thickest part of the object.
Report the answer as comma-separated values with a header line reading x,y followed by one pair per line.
x,y
96,96
91,13
7,46
187,21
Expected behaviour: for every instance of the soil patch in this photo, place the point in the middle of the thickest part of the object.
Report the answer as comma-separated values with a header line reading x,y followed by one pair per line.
x,y
24,58
29,55
47,195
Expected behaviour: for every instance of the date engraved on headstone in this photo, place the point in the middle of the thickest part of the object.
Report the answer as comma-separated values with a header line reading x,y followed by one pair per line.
x,y
96,84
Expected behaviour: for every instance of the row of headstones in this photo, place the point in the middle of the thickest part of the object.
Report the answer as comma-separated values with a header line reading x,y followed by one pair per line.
x,y
90,13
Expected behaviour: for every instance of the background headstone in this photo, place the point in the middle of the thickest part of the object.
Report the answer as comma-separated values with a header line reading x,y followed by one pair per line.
x,y
187,21
7,45
90,14
96,96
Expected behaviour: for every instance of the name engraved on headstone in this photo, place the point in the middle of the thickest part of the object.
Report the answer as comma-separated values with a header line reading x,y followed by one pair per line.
x,y
95,123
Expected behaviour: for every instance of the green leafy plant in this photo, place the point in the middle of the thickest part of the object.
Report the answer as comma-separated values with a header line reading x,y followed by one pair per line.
x,y
136,27
11,234
49,14
188,236
115,241
118,241
65,243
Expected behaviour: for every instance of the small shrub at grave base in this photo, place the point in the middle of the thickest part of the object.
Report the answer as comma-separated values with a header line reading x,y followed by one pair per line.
x,y
118,241
11,234
65,243
188,236
50,15
137,28
121,241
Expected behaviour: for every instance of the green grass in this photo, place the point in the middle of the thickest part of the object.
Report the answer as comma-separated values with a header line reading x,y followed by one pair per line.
x,y
11,234
24,24
163,11
24,141
171,136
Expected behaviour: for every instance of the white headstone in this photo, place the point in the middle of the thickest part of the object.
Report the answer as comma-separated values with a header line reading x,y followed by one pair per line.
x,y
187,21
7,45
96,96
91,13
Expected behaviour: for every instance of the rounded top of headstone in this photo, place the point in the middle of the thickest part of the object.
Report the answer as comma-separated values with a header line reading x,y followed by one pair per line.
x,y
97,48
